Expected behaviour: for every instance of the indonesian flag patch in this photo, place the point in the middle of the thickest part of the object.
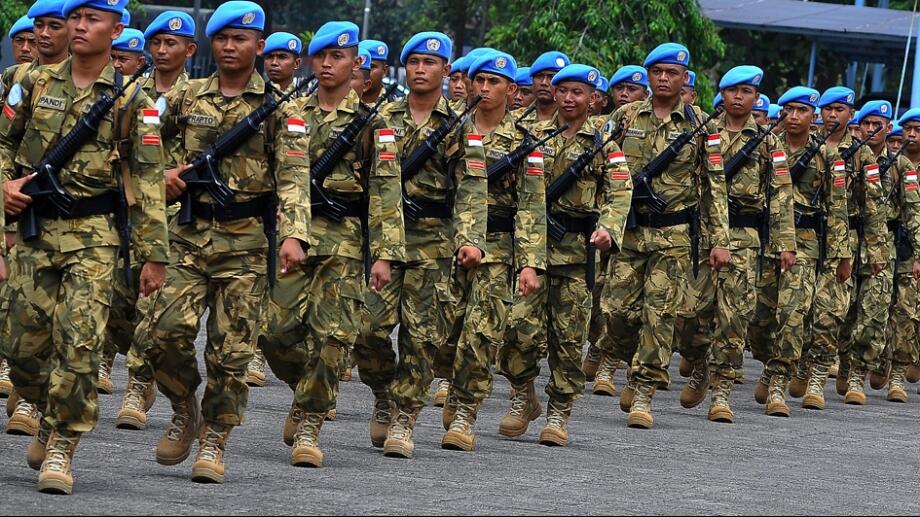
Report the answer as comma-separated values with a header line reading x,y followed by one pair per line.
x,y
8,112
150,140
151,116
872,174
297,125
473,140
911,176
778,157
386,136
535,158
713,140
840,166
616,158
386,156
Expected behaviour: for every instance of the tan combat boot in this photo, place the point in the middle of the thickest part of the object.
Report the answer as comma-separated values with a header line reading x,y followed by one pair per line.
x,y
306,451
24,421
694,392
443,391
12,402
255,371
627,395
399,436
555,433
762,390
525,408
591,363
176,443
294,416
56,474
856,388
814,393
686,367
460,436
133,412
843,376
209,462
6,385
913,373
720,408
799,382
104,384
879,378
897,388
35,454
640,414
380,420
603,380
776,399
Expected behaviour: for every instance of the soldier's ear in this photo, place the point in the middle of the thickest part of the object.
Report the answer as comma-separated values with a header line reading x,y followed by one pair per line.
x,y
261,46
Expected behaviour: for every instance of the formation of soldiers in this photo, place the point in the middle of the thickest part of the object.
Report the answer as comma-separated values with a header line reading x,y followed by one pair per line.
x,y
534,210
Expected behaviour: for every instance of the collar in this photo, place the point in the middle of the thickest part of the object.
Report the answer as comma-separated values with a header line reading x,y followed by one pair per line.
x,y
256,85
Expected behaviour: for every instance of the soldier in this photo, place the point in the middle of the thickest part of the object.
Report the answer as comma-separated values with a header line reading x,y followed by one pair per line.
x,y
906,348
170,41
542,71
22,40
688,91
380,53
590,207
70,285
523,95
600,99
773,113
282,60
515,247
758,187
629,84
128,52
220,254
645,283
895,138
458,84
320,303
361,79
762,111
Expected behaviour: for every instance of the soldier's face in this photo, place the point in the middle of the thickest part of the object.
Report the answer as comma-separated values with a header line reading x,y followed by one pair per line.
x,y
361,82
457,86
425,74
170,52
378,72
573,98
24,47
912,137
836,112
624,93
894,143
870,124
92,31
523,98
739,100
543,87
280,66
667,80
761,118
494,90
799,118
335,66
236,50
52,36
127,62
688,95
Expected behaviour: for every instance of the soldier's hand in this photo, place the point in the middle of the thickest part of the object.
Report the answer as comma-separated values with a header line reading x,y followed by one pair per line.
x,y
601,239
175,187
469,257
844,270
917,270
14,201
2,269
719,258
528,281
153,276
876,269
786,260
292,255
380,274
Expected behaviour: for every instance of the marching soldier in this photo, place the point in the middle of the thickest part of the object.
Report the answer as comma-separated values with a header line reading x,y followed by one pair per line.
x,y
22,40
523,96
282,60
762,111
458,84
380,53
542,71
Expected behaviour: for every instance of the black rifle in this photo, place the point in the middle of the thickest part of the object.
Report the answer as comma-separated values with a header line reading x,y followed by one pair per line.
x,y
798,169
883,169
512,160
742,157
851,151
45,185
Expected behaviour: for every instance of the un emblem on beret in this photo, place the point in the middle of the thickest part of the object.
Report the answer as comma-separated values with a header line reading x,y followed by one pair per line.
x,y
292,45
757,79
681,56
560,62
850,98
343,39
501,62
884,109
363,60
814,97
637,76
112,2
381,50
592,76
175,24
134,43
432,44
248,18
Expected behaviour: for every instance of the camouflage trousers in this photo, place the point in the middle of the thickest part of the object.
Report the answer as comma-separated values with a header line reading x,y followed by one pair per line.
x,y
643,297
123,320
826,316
558,314
597,331
59,304
777,330
863,335
479,329
232,286
904,348
313,317
693,326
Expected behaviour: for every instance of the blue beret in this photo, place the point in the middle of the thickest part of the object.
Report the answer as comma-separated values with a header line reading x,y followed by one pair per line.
x,y
523,76
477,53
461,64
896,130
668,53
744,74
762,104
774,111
912,115
126,18
334,35
802,95
854,121
236,14
379,50
433,44
840,94
23,24
365,56
283,41
176,23
552,60
131,40
53,8
112,6
497,63
875,108
691,80
603,84
630,74
717,101
579,73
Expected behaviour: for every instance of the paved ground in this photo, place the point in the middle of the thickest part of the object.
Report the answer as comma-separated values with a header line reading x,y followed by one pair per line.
x,y
841,461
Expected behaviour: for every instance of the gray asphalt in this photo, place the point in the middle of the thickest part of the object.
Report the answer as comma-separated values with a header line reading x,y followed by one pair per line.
x,y
843,460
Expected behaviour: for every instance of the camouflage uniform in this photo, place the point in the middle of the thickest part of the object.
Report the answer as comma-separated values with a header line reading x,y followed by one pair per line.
x,y
904,346
221,265
314,315
62,285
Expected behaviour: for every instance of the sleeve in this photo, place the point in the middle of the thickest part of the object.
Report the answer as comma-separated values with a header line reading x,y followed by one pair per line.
x,y
385,210
13,126
292,173
617,194
875,224
530,217
471,200
910,205
835,206
715,214
172,144
782,207
149,237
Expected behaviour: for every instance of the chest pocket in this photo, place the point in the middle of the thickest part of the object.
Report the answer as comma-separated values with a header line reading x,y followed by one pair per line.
x,y
748,183
345,177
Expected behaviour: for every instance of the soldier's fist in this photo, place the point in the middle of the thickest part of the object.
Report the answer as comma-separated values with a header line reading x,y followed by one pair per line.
x,y
787,260
917,270
528,282
291,255
844,270
380,274
14,201
174,184
719,258
601,239
153,276
469,257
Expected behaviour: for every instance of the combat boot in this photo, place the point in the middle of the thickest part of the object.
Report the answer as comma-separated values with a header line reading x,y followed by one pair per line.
x,y
443,391
640,414
255,371
603,380
6,385
12,402
133,412
306,451
879,378
762,390
176,443
104,384
399,436
843,376
209,462
627,395
897,389
720,408
294,416
913,373
525,408
591,363
555,433
380,420
35,454
776,399
460,436
694,393
814,393
24,421
856,388
686,367
800,381
56,474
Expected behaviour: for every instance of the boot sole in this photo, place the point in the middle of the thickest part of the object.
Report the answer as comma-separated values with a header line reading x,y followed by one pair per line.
x,y
813,403
841,389
17,428
854,401
551,439
913,374
457,442
55,486
604,390
162,460
255,383
206,475
722,418
5,390
105,390
640,421
761,398
307,459
900,399
397,451
779,412
878,383
131,422
439,400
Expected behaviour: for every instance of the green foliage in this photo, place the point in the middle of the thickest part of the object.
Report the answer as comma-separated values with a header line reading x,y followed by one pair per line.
x,y
10,11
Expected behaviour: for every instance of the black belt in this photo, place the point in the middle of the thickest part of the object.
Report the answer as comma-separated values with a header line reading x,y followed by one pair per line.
x,y
352,209
233,211
807,222
653,220
432,210
894,225
855,222
583,225
500,222
745,221
84,207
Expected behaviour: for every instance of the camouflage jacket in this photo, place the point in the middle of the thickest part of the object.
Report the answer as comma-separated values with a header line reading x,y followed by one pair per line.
x,y
603,190
747,191
901,183
698,163
50,106
519,194
819,191
170,141
273,160
369,174
14,74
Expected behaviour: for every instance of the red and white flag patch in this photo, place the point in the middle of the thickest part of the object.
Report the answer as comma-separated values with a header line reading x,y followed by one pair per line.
x,y
713,140
150,140
386,156
616,158
535,158
386,136
840,166
151,116
473,140
872,174
297,125
911,176
778,157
